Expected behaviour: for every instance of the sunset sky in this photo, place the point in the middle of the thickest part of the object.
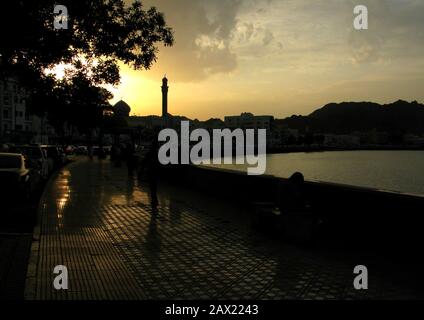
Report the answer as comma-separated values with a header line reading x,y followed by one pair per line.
x,y
280,57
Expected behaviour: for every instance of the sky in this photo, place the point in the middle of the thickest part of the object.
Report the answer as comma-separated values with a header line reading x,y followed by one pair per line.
x,y
279,57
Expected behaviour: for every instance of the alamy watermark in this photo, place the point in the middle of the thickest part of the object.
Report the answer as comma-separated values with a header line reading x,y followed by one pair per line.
x,y
248,150
361,280
60,282
361,17
60,20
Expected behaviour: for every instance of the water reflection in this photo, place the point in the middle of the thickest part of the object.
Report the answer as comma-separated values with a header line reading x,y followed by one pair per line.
x,y
387,170
63,195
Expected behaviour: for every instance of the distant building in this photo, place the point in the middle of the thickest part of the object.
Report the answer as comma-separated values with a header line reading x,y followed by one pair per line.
x,y
373,137
249,121
213,123
148,122
42,131
122,109
281,134
412,139
341,140
153,122
15,121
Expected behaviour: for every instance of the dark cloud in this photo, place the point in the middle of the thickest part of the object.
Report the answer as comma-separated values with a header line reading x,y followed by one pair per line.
x,y
203,30
218,36
396,29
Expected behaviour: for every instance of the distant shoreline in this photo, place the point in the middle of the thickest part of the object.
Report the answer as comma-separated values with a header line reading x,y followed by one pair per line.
x,y
293,149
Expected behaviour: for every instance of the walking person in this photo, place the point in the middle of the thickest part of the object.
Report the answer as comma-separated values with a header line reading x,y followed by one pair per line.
x,y
130,159
90,152
150,164
117,156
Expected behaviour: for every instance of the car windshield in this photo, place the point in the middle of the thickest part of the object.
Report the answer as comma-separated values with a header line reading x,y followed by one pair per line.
x,y
32,152
10,162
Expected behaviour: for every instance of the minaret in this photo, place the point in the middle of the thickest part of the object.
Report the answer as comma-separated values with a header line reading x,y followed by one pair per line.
x,y
164,97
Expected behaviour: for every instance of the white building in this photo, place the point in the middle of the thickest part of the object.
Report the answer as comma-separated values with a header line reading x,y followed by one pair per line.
x,y
41,130
14,120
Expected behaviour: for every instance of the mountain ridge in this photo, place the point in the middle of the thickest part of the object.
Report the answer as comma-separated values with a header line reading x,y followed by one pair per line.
x,y
347,117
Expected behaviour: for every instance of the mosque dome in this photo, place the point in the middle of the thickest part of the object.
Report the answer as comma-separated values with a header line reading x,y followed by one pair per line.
x,y
121,108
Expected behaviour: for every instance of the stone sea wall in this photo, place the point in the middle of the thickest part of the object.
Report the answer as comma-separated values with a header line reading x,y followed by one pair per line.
x,y
360,215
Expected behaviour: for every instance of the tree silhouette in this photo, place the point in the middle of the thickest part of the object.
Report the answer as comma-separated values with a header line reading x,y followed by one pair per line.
x,y
100,34
72,100
105,30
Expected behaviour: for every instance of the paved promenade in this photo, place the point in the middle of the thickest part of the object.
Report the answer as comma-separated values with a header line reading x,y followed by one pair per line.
x,y
100,225
14,250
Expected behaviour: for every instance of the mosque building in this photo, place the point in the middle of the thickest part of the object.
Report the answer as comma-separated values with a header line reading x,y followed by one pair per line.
x,y
122,109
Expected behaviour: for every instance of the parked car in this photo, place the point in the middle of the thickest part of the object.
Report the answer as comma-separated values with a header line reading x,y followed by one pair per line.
x,y
70,150
17,179
95,150
63,155
81,150
4,147
56,155
107,149
37,156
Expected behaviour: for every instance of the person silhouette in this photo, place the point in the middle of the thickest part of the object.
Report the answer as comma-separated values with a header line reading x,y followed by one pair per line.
x,y
90,152
117,155
130,158
150,164
294,197
300,223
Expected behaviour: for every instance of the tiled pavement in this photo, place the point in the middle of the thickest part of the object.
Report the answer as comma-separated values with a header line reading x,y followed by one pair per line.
x,y
14,251
99,224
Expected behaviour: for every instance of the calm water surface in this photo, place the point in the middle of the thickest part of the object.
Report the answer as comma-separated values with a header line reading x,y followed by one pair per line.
x,y
401,171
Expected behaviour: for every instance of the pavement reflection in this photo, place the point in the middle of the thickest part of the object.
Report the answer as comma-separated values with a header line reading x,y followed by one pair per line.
x,y
100,224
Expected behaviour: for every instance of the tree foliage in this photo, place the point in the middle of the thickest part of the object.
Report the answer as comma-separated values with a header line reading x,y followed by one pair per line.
x,y
105,30
100,34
